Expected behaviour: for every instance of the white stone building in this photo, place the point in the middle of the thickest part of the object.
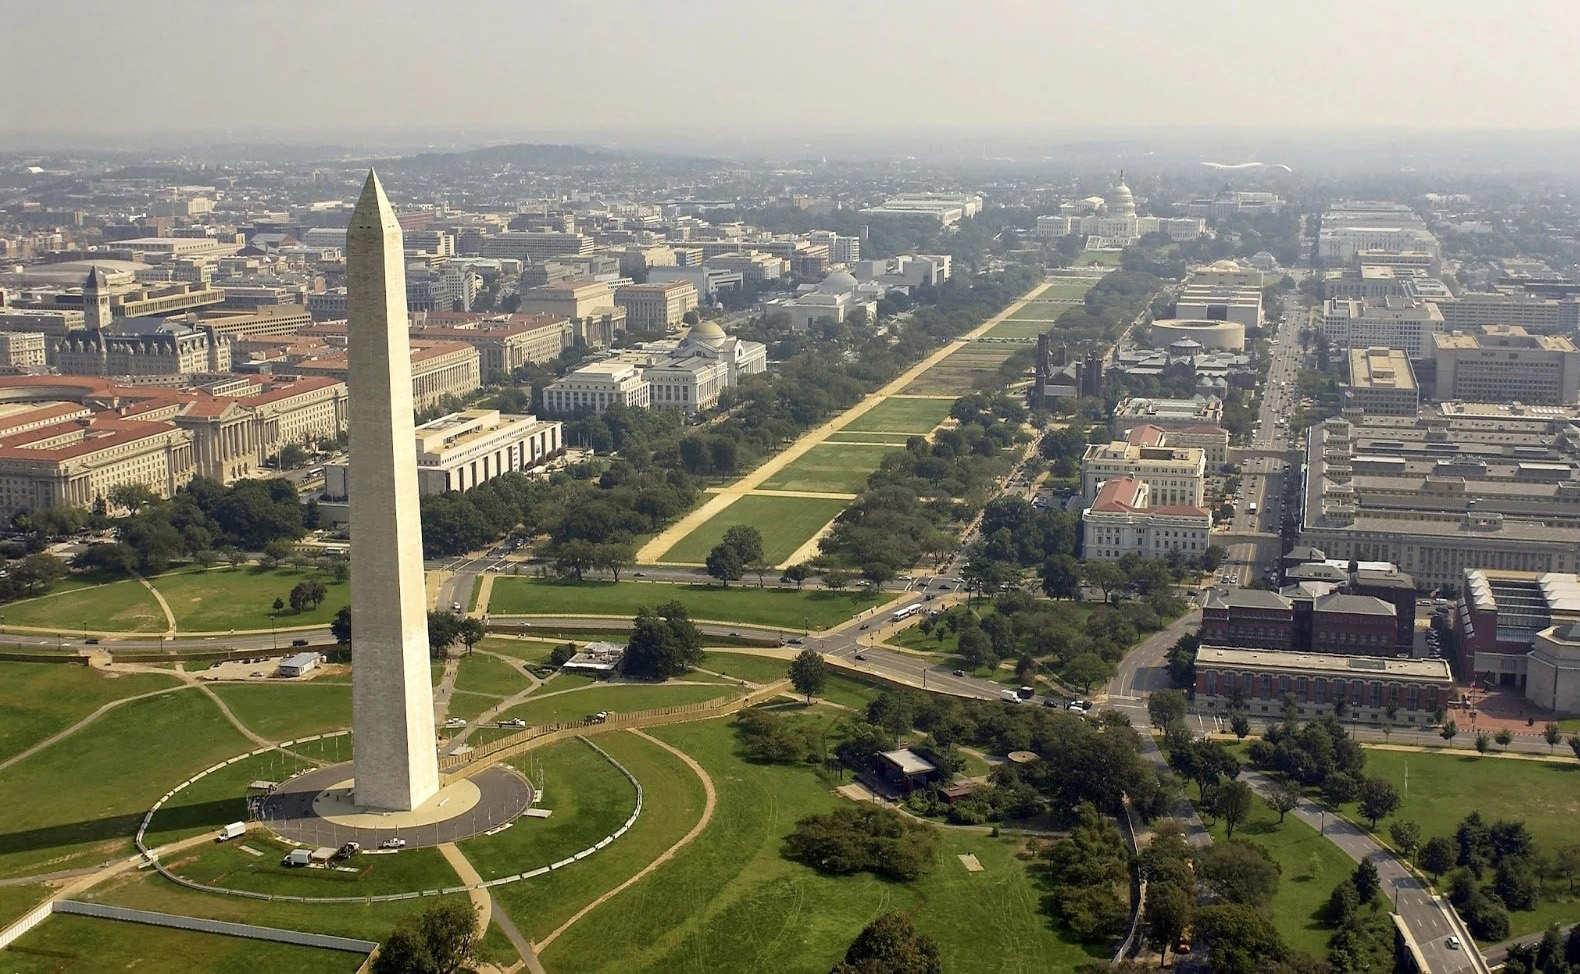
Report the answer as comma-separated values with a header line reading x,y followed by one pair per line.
x,y
1121,521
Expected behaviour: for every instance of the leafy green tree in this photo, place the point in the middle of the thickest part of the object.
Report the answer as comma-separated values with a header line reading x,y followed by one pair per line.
x,y
1086,670
1406,837
470,632
1242,939
1061,577
890,945
1437,856
1164,707
664,642
1504,737
1483,742
133,497
1239,871
443,939
1552,734
1367,882
976,648
864,838
561,654
797,574
1105,575
1232,803
340,626
725,563
1378,799
443,629
1168,913
808,673
1341,787
1284,796
1240,724
1450,730
747,541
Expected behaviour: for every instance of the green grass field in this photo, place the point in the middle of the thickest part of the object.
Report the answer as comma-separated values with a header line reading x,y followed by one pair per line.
x,y
88,945
1018,329
124,606
217,798
38,700
479,673
744,603
284,711
590,799
1044,311
881,439
525,650
1301,895
673,801
224,598
622,697
468,706
731,902
229,864
79,801
1444,788
17,900
785,522
746,666
899,415
839,468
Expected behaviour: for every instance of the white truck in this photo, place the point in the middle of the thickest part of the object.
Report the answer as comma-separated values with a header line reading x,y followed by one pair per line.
x,y
234,830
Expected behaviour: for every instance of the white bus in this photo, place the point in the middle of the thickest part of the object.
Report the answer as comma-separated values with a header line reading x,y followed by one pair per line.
x,y
905,613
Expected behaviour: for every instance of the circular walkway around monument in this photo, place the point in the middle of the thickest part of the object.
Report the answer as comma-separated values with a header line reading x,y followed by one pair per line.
x,y
315,809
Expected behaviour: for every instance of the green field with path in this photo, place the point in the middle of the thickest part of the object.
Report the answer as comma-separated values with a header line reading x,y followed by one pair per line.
x,y
283,711
124,606
38,700
840,468
89,945
741,602
786,524
901,415
221,599
622,698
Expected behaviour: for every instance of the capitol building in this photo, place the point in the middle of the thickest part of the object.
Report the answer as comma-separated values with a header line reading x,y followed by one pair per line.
x,y
1111,223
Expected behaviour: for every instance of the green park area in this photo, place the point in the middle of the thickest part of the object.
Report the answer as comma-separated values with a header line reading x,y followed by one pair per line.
x,y
960,371
281,711
786,524
902,415
1309,867
88,945
617,697
123,606
222,599
253,864
1045,312
880,439
1013,328
483,673
40,700
1069,291
731,901
755,667
836,468
784,608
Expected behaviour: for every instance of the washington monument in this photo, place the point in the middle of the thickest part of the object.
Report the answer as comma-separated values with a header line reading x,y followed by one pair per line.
x,y
394,765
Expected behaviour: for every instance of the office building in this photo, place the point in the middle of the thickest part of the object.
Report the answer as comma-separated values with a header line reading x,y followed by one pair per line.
x,y
75,463
1174,476
23,350
656,307
1121,521
164,348
464,449
1537,315
1503,363
504,343
1352,226
1392,322
1241,304
533,245
595,387
1260,681
1166,414
1382,381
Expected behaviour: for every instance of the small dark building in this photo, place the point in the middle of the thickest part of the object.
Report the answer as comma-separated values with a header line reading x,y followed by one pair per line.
x,y
904,770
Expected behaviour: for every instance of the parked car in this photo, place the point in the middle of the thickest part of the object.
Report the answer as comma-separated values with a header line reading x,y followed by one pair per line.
x,y
959,673
393,843
348,850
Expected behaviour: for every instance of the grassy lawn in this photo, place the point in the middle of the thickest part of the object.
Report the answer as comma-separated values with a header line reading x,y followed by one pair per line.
x,y
785,608
898,415
38,700
282,712
79,801
468,706
17,900
1301,895
731,902
218,798
229,864
1444,788
242,598
746,666
898,439
673,801
488,674
1018,329
525,650
1045,312
88,945
785,522
590,799
623,697
849,691
830,467
124,606
1097,258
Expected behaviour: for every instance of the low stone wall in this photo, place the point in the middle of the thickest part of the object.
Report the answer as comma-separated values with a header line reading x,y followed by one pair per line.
x,y
220,927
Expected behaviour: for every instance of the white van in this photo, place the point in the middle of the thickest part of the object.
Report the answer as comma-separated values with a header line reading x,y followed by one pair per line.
x,y
234,830
1010,695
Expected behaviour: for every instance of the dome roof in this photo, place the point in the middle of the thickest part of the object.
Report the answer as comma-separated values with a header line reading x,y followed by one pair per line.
x,y
705,332
838,282
1121,202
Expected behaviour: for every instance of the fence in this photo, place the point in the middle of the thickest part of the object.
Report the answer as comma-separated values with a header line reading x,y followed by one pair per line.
x,y
221,927
33,918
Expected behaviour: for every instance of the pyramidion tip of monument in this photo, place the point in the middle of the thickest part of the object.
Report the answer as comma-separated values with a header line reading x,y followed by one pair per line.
x,y
373,206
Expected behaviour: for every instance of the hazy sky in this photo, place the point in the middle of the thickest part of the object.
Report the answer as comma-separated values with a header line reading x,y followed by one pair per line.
x,y
606,67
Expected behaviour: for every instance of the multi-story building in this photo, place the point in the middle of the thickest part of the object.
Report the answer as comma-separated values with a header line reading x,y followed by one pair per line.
x,y
504,343
1502,363
1391,322
1382,382
1166,414
533,244
461,450
52,323
588,304
1174,476
23,350
166,349
754,268
595,387
77,462
656,307
1498,615
438,369
1537,315
688,385
1261,681
1352,226
1240,304
1437,495
1121,522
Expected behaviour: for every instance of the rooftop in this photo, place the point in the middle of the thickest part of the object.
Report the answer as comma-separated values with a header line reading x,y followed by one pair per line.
x,y
1363,667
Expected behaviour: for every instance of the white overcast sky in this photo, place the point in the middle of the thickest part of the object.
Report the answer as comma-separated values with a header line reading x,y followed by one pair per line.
x,y
245,66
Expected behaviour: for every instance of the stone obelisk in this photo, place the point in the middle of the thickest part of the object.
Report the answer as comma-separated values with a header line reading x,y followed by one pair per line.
x,y
394,765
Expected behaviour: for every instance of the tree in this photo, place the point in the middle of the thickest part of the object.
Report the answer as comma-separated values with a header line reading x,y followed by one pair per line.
x,y
307,595
1574,744
1240,724
1483,742
1565,863
1406,836
470,632
1340,787
1239,871
340,626
797,574
1284,796
133,497
279,604
443,939
1552,734
808,673
1105,575
443,629
1232,803
1168,913
1164,707
664,642
747,541
1379,799
1504,737
835,580
976,648
36,573
1437,856
1061,577
561,654
1367,882
1516,883
1087,669
890,945
725,563
1449,731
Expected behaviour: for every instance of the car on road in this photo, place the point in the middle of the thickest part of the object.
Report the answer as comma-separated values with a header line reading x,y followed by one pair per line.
x,y
394,843
794,642
639,574
863,625
861,656
255,673
455,607
348,850
513,722
298,642
958,673
1452,942
455,722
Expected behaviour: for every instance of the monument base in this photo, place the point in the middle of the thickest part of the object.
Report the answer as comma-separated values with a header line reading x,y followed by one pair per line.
x,y
338,804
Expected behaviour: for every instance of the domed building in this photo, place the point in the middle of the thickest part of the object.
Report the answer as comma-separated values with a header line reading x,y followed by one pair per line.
x,y
1118,224
706,340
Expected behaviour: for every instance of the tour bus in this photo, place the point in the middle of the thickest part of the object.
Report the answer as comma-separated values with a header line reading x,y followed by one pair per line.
x,y
1253,508
906,613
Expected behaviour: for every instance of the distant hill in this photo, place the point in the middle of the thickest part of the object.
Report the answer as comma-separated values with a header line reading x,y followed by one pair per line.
x,y
523,155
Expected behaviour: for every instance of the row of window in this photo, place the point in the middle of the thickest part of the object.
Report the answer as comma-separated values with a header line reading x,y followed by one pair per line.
x,y
1265,686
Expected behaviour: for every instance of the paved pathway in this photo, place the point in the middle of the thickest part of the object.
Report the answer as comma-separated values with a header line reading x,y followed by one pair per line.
x,y
170,617
710,802
654,550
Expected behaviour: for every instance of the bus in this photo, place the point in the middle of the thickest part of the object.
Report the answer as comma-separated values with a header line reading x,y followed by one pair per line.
x,y
1253,508
905,613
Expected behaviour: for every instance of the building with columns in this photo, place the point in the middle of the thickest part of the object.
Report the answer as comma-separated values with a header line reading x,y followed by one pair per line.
x,y
1258,681
438,369
76,462
1174,475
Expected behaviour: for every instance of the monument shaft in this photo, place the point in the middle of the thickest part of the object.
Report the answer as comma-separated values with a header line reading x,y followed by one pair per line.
x,y
395,765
